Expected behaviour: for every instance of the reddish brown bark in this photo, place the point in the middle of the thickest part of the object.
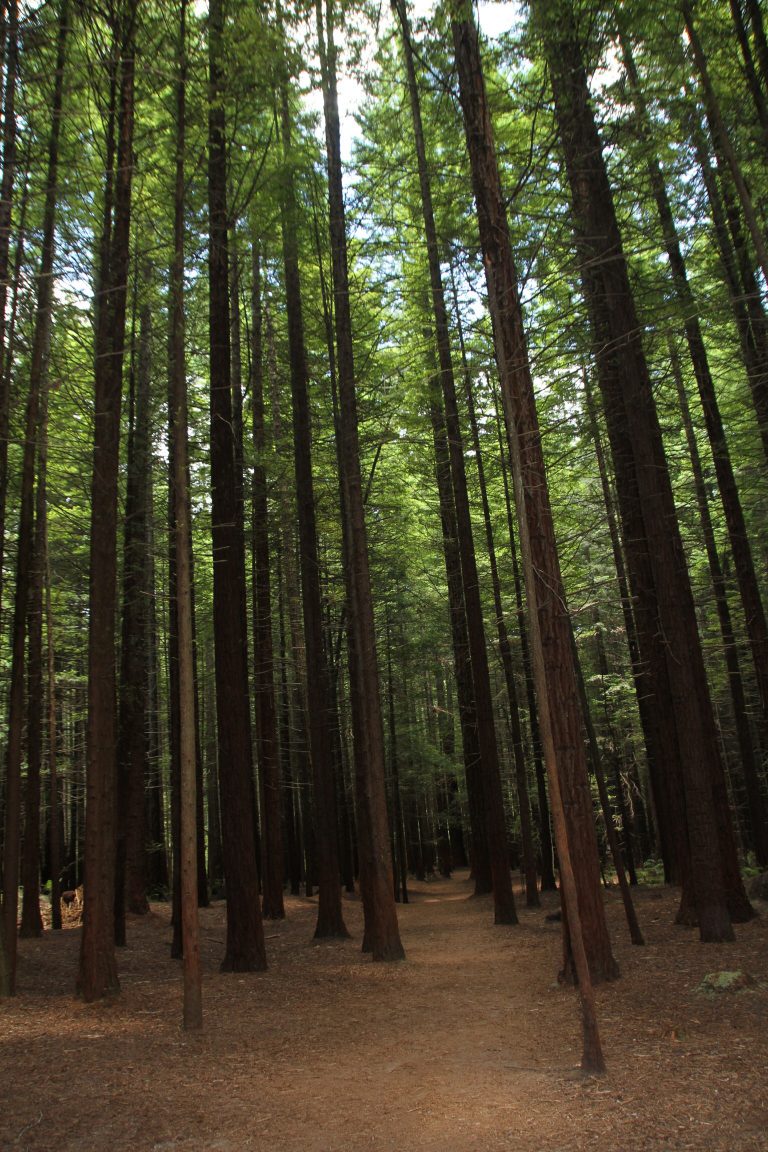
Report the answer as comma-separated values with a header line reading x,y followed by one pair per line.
x,y
641,472
245,935
382,933
557,678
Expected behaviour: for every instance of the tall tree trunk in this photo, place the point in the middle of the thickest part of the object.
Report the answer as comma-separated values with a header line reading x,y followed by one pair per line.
x,y
245,934
641,471
98,970
505,647
192,1014
750,72
52,727
11,60
758,818
761,42
650,720
745,298
266,727
133,710
722,138
557,688
754,614
504,903
330,918
382,931
545,833
31,922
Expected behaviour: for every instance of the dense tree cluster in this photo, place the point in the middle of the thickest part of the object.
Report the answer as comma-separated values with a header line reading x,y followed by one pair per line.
x,y
387,496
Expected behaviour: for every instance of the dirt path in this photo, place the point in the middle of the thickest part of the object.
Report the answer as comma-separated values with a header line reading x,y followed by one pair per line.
x,y
470,1046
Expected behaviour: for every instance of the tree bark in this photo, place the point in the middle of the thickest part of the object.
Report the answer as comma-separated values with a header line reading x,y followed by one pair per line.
x,y
6,206
382,931
245,950
192,1012
642,473
490,772
557,689
330,918
98,969
266,727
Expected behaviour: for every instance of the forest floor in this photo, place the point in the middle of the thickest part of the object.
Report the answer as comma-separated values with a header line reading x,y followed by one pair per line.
x,y
468,1046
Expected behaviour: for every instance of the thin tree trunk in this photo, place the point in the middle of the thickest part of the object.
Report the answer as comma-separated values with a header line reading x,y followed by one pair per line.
x,y
505,648
52,726
192,1013
330,918
761,43
266,727
750,72
722,138
649,717
758,819
545,834
743,292
134,705
11,58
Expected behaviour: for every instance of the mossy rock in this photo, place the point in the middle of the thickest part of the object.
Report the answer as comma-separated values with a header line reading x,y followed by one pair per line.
x,y
716,983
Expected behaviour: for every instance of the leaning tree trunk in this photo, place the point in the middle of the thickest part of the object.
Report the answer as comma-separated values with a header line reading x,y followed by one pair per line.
x,y
382,931
722,138
557,689
754,614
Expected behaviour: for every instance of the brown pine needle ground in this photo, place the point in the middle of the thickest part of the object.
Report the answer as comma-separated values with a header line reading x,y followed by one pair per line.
x,y
470,1046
